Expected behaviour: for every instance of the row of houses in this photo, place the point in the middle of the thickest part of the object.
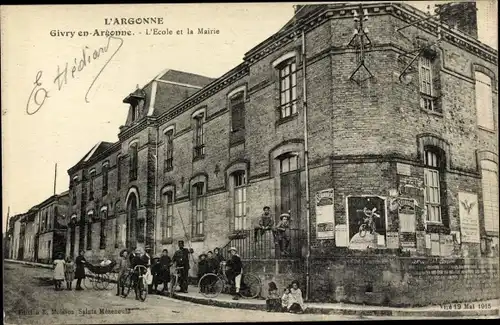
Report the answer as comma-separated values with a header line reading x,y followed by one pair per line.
x,y
329,121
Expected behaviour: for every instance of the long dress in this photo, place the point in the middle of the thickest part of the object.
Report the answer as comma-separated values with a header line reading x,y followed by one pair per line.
x,y
69,271
80,267
59,269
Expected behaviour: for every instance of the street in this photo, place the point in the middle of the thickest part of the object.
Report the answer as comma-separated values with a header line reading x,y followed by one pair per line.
x,y
30,298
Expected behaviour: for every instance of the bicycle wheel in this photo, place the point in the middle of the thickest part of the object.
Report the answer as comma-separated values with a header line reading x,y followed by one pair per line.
x,y
142,288
172,286
127,285
250,286
210,285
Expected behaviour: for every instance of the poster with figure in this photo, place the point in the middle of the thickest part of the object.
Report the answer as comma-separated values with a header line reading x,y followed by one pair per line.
x,y
325,215
366,217
469,217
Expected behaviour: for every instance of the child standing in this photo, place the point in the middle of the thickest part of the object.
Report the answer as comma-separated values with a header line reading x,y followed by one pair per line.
x,y
273,302
58,271
69,272
285,300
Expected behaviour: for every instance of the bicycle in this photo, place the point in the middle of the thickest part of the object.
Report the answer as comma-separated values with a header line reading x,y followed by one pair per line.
x,y
174,281
211,284
136,279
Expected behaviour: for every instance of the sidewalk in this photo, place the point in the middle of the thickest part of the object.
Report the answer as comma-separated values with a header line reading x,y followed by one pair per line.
x,y
225,300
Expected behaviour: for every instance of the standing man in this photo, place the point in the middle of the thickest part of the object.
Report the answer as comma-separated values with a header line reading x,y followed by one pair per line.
x,y
266,223
281,232
181,259
234,270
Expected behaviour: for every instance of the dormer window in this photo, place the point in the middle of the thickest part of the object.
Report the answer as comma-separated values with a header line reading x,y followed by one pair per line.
x,y
136,102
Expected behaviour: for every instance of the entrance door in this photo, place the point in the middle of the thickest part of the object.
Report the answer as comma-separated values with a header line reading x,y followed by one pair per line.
x,y
132,222
72,235
290,187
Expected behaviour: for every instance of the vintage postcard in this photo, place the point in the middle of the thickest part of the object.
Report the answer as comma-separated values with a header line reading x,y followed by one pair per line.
x,y
242,162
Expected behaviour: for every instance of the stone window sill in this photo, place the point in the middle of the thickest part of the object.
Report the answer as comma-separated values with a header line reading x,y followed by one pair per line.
x,y
287,119
198,238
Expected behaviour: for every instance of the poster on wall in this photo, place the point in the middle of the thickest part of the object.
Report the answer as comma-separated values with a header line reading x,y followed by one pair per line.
x,y
407,222
366,217
325,217
469,217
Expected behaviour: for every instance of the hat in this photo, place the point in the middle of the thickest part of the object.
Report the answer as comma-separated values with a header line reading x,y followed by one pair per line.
x,y
284,215
233,249
202,254
180,242
266,207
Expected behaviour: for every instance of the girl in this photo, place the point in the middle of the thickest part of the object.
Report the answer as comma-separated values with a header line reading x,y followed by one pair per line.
x,y
69,272
123,269
296,302
273,302
285,299
58,271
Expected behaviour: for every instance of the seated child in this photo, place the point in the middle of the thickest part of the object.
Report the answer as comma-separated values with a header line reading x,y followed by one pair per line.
x,y
273,301
285,299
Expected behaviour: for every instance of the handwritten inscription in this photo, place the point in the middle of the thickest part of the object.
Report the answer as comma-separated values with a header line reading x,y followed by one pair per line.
x,y
69,71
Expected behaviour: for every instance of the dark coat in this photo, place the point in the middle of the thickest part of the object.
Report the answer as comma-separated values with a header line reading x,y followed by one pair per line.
x,y
80,267
212,265
181,258
235,265
202,268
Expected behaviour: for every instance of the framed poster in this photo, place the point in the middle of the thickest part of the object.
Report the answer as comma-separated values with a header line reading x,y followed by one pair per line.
x,y
325,215
469,217
366,220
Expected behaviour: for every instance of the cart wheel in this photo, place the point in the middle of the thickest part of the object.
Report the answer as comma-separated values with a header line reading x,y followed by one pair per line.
x,y
142,287
127,284
210,285
250,286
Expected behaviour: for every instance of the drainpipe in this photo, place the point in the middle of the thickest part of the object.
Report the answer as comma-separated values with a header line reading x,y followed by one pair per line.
x,y
306,163
155,222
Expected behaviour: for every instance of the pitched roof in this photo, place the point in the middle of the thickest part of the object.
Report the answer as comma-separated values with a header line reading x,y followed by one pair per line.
x,y
96,150
184,78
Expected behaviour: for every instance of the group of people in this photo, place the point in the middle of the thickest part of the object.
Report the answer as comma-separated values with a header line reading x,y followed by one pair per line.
x,y
291,301
280,231
65,270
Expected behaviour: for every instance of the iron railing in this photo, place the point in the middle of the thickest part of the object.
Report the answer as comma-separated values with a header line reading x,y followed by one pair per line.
x,y
265,246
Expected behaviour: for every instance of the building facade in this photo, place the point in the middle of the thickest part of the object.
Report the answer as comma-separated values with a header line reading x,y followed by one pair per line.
x,y
374,128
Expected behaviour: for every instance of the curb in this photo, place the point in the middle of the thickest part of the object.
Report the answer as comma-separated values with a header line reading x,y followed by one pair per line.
x,y
346,311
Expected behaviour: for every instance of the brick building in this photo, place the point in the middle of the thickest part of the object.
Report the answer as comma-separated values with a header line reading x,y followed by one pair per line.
x,y
335,119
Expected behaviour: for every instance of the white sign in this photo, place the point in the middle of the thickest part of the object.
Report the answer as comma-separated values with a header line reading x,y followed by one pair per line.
x,y
341,236
403,169
469,217
325,215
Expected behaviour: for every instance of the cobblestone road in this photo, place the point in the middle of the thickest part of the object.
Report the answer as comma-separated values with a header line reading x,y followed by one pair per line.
x,y
29,298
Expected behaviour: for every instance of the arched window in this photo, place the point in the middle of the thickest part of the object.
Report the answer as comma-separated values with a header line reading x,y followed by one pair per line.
x,y
90,215
239,183
168,215
199,138
199,207
91,184
169,150
287,71
105,167
133,226
102,235
434,165
489,182
117,224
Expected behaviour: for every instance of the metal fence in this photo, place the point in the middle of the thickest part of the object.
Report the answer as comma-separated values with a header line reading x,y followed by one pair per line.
x,y
265,246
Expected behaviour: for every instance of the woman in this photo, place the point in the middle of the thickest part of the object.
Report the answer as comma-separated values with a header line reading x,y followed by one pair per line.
x,y
69,272
218,257
296,302
80,270
58,271
123,269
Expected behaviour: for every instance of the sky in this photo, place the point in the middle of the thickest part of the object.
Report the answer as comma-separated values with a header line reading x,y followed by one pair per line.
x,y
70,122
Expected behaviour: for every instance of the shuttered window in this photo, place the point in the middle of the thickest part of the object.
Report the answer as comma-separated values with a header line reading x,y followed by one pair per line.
x,y
489,181
484,101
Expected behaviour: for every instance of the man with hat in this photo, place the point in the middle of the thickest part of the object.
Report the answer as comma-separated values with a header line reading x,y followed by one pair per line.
x,y
266,223
234,270
281,233
181,259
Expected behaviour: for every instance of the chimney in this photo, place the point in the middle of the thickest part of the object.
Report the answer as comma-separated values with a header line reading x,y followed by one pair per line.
x,y
460,15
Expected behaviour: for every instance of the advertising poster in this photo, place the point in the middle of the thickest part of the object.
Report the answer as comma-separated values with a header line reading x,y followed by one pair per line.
x,y
367,221
469,217
325,216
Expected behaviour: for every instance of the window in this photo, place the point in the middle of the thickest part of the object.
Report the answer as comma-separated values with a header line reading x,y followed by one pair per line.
x,y
104,179
169,153
73,190
427,87
237,106
239,199
117,225
91,185
198,208
119,173
484,101
288,163
168,215
199,145
133,162
46,221
288,88
89,235
102,235
432,192
135,108
489,180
